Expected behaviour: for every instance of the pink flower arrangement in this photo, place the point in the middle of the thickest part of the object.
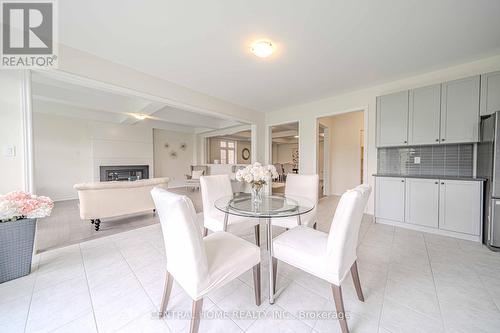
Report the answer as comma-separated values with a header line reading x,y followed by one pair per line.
x,y
19,205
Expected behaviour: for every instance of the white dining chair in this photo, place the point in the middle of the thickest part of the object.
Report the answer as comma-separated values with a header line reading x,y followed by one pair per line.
x,y
287,169
328,256
199,265
279,170
213,188
300,187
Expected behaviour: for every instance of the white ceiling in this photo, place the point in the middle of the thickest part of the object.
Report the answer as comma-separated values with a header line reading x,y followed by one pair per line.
x,y
324,47
56,97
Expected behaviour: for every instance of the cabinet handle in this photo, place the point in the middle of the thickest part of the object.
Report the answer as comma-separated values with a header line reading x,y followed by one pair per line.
x,y
442,183
402,181
436,183
406,141
443,139
437,140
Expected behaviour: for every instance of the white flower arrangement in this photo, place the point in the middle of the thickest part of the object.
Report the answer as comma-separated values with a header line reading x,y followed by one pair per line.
x,y
256,174
20,205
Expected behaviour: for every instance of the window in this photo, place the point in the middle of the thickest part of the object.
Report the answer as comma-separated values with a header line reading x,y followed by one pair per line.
x,y
227,152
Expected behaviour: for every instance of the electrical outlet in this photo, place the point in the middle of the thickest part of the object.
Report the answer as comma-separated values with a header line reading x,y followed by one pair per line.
x,y
9,151
416,160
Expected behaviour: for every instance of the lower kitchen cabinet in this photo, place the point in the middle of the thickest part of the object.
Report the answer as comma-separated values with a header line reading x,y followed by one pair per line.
x,y
448,207
460,206
422,202
390,198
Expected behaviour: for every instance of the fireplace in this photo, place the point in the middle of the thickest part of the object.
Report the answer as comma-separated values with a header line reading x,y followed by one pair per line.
x,y
123,172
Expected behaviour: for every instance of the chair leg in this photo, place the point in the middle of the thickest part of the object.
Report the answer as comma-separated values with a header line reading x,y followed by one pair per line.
x,y
339,306
169,280
256,283
315,226
205,232
275,273
195,315
257,235
357,283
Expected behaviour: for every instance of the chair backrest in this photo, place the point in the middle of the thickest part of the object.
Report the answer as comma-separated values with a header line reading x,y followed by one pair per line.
x,y
213,188
343,236
279,168
304,186
184,247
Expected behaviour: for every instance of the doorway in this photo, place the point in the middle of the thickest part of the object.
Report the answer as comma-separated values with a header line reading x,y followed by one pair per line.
x,y
284,152
340,151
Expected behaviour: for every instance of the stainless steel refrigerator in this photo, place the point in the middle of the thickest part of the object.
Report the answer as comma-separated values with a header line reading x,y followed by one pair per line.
x,y
488,166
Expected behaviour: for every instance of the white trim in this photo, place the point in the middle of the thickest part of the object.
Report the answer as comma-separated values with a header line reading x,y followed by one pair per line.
x,y
429,230
326,158
27,113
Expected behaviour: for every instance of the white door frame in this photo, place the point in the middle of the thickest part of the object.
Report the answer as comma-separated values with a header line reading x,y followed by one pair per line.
x,y
27,114
364,109
326,158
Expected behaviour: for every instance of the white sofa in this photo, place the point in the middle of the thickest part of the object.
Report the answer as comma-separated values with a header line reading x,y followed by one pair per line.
x,y
115,198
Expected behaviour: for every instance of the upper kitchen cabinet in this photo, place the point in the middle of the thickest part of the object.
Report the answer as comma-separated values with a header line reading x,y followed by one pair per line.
x,y
490,93
424,115
460,110
392,119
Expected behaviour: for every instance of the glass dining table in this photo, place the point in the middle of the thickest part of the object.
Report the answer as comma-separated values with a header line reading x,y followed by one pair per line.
x,y
270,207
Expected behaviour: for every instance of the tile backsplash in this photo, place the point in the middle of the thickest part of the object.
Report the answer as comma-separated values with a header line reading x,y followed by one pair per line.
x,y
439,160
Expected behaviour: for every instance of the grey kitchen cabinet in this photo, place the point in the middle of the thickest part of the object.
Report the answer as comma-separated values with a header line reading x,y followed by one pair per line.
x,y
392,119
460,206
460,110
422,202
424,115
490,93
390,198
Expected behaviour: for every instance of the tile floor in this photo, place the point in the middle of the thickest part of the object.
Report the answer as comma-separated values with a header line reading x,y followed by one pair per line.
x,y
413,282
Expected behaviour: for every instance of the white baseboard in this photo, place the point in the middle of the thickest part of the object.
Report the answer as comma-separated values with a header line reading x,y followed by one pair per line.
x,y
429,230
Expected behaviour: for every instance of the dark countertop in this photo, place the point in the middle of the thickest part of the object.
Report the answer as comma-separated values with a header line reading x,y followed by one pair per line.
x,y
478,179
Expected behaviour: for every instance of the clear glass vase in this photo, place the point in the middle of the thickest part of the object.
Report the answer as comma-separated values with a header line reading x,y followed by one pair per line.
x,y
257,193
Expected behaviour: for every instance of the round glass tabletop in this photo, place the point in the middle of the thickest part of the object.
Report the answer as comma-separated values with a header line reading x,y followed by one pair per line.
x,y
271,206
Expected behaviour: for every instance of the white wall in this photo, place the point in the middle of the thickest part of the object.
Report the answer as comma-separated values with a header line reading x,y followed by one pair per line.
x,y
364,99
11,131
68,151
345,151
114,144
63,155
282,153
164,164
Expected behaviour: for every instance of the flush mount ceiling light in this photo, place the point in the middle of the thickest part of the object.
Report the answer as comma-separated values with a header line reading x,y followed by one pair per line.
x,y
262,48
139,116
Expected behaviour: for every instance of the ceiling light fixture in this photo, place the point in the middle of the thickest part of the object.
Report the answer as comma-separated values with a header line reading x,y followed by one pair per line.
x,y
139,116
262,48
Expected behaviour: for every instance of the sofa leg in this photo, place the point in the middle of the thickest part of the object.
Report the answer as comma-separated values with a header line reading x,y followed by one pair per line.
x,y
97,224
154,212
